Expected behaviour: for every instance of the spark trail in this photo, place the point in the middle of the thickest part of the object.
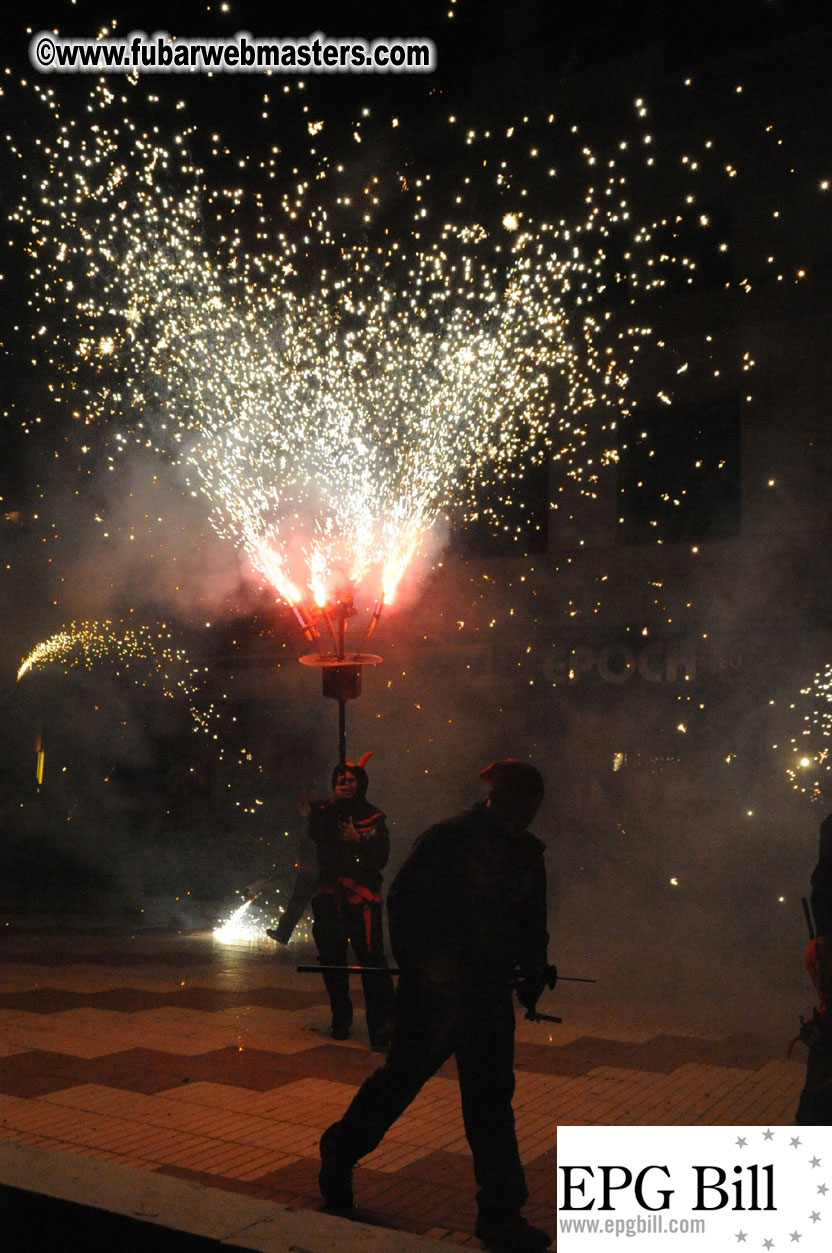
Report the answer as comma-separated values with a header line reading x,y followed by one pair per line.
x,y
91,643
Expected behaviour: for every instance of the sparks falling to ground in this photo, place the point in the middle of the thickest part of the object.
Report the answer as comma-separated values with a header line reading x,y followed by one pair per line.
x,y
331,400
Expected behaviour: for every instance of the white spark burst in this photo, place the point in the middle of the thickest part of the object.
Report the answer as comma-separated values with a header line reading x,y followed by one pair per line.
x,y
329,399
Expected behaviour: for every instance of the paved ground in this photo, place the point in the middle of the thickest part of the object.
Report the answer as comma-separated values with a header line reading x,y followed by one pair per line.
x,y
181,1057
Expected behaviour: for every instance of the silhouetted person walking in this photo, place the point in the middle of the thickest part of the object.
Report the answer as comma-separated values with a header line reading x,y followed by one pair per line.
x,y
815,1107
467,916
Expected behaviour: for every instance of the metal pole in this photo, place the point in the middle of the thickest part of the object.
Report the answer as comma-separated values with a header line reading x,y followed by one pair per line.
x,y
342,704
342,731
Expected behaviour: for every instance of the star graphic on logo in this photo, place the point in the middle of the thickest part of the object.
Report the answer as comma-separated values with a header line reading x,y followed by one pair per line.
x,y
794,1236
768,1135
823,1188
768,1244
795,1142
815,1216
740,1142
741,1235
815,1161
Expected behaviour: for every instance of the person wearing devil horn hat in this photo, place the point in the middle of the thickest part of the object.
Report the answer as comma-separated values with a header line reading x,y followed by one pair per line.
x,y
467,916
353,847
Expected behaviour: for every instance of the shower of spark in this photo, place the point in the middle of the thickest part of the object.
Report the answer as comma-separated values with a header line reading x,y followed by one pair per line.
x,y
91,643
239,927
809,751
250,921
331,400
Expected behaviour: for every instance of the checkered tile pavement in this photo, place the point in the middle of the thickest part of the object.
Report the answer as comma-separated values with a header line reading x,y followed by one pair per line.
x,y
176,1054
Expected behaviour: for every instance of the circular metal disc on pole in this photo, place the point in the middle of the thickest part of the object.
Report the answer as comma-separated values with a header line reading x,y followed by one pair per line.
x,y
340,670
328,662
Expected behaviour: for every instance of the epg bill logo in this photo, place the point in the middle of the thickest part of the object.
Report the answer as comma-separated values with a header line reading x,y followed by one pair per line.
x,y
708,1195
765,1188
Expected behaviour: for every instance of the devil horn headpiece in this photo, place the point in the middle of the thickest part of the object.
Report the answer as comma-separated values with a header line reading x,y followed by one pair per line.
x,y
361,760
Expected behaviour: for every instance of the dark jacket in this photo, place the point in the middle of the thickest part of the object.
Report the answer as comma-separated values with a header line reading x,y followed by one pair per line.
x,y
472,895
345,861
822,896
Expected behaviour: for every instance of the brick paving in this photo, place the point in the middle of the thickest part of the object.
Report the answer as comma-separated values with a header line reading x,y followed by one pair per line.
x,y
176,1054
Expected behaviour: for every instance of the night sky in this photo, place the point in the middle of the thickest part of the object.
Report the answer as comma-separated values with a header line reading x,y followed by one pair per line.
x,y
170,762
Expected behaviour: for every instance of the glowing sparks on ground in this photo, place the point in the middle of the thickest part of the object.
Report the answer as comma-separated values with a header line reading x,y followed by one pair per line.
x,y
239,927
250,921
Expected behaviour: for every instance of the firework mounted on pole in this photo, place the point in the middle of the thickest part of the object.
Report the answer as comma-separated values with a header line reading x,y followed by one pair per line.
x,y
329,400
340,670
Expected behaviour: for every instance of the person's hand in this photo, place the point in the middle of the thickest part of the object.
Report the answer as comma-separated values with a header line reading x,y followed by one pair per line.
x,y
349,831
530,985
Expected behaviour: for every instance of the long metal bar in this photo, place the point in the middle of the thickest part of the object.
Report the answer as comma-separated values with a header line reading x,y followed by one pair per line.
x,y
391,970
350,970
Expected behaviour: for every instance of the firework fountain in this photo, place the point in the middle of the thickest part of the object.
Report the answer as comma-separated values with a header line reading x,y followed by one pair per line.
x,y
334,385
329,400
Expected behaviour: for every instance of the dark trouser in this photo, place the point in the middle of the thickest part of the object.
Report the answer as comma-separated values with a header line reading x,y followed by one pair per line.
x,y
297,904
815,1108
431,1024
335,925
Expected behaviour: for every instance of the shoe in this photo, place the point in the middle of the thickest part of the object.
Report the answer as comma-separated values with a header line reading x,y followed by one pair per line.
x,y
380,1043
335,1176
283,930
512,1235
341,1030
274,934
